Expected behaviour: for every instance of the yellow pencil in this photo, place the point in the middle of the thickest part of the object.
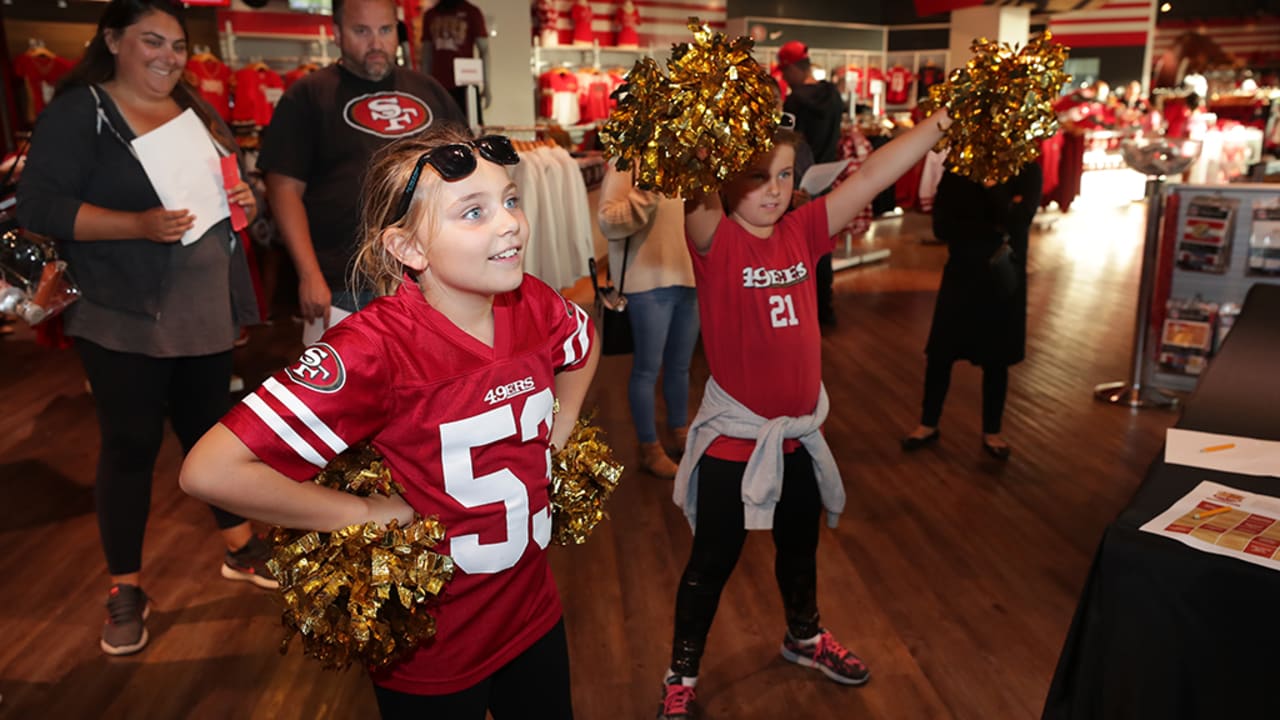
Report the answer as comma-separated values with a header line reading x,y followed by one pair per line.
x,y
1216,448
1202,514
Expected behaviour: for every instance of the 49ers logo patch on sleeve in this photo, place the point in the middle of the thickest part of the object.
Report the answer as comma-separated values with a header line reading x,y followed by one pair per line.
x,y
319,368
388,114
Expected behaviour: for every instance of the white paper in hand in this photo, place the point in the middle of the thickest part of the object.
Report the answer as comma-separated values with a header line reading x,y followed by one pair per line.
x,y
819,177
183,166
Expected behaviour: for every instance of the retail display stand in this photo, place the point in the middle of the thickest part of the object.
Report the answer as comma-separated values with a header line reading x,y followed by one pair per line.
x,y
1219,240
1157,158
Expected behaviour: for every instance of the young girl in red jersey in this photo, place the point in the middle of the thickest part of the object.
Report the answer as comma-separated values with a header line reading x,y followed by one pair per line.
x,y
756,458
452,374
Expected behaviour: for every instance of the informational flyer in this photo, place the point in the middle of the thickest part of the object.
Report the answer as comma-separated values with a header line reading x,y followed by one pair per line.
x,y
183,166
1225,521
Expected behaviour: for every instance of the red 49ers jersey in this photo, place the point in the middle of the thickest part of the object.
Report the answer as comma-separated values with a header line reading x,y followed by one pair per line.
x,y
899,86
759,310
465,429
212,80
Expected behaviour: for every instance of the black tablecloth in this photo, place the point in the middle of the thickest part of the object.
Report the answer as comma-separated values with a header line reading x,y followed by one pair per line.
x,y
1166,631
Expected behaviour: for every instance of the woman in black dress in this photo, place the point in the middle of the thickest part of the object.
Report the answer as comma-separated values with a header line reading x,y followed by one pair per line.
x,y
981,310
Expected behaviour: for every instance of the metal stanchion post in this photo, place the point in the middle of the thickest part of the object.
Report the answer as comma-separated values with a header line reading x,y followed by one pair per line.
x,y
1156,158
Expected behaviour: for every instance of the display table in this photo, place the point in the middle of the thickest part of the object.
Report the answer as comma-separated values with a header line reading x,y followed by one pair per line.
x,y
1166,631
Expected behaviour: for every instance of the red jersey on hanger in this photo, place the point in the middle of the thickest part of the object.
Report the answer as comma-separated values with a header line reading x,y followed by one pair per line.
x,y
212,79
258,89
899,87
40,71
628,27
582,17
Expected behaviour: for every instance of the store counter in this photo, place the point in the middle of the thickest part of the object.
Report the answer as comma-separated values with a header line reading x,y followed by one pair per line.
x,y
1164,630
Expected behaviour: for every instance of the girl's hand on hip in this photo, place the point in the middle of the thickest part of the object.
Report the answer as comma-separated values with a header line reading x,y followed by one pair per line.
x,y
383,509
164,226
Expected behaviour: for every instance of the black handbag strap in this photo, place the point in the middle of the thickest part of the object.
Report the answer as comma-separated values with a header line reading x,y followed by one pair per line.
x,y
622,277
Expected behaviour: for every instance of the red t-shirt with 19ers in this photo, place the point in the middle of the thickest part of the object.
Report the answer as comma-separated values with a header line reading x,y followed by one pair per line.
x,y
465,428
758,304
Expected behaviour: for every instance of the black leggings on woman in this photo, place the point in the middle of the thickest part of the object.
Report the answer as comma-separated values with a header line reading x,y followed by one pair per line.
x,y
937,380
718,540
533,686
133,394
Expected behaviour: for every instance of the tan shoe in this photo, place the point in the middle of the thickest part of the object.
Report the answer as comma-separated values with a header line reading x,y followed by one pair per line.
x,y
654,460
676,438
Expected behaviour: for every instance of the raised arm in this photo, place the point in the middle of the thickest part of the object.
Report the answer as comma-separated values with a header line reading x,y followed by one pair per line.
x,y
702,215
882,169
624,209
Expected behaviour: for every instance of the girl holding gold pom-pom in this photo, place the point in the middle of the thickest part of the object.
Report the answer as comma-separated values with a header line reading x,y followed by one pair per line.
x,y
756,458
452,375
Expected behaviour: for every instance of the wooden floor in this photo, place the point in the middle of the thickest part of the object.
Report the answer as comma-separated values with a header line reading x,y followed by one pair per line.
x,y
953,575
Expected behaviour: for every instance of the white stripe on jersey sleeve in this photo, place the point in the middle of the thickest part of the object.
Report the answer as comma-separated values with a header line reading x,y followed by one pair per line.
x,y
304,413
576,345
282,430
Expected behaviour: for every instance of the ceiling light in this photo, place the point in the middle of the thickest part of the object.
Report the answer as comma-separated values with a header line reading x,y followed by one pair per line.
x,y
1166,7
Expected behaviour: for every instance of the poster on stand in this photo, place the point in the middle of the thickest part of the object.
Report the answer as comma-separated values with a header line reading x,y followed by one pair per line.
x,y
1264,238
1205,242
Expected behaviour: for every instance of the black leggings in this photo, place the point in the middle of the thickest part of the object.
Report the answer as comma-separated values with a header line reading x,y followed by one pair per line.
x,y
133,394
535,685
718,540
937,380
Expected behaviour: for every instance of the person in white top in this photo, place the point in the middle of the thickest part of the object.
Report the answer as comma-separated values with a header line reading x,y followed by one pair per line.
x,y
663,308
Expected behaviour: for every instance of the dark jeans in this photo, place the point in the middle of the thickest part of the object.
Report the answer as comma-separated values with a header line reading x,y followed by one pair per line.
x,y
132,394
535,685
937,380
718,540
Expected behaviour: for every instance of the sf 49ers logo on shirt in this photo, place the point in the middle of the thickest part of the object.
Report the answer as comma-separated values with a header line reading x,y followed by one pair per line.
x,y
319,368
388,114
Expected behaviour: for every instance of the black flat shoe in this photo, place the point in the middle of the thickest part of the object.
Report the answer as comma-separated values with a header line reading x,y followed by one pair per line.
x,y
911,444
999,452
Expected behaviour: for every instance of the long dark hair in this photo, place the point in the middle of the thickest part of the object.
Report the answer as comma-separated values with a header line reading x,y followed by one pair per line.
x,y
98,64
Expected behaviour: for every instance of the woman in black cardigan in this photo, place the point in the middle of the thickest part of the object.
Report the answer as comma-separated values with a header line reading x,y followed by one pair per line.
x,y
980,316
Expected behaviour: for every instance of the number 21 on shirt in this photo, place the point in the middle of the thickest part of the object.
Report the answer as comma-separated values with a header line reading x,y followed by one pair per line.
x,y
781,312
457,440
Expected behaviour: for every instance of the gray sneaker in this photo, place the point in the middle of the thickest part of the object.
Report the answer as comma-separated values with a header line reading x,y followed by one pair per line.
x,y
249,564
124,632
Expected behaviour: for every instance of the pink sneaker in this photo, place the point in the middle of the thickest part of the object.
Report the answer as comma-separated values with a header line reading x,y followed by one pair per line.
x,y
828,656
677,700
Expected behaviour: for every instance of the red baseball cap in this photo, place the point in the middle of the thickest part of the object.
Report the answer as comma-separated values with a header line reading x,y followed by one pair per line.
x,y
792,52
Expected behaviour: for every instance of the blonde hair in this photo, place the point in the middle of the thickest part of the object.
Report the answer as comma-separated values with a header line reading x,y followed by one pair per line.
x,y
374,267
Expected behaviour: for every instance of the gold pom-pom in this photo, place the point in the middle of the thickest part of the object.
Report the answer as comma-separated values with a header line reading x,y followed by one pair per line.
x,y
1001,106
689,131
359,594
583,476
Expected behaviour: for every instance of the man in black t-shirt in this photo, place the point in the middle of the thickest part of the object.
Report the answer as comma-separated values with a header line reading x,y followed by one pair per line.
x,y
817,107
322,135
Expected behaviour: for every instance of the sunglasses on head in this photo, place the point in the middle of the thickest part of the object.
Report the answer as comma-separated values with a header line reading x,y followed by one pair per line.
x,y
456,161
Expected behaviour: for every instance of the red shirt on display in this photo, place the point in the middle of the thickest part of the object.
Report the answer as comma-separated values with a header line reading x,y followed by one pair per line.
x,y
757,300
628,26
40,70
212,79
582,17
452,34
873,74
258,89
465,429
898,91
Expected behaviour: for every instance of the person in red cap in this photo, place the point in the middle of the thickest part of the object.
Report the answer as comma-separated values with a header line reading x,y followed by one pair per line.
x,y
817,107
